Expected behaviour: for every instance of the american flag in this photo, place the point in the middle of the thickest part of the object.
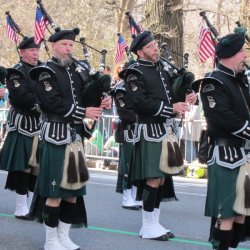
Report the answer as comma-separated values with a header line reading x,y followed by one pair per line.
x,y
40,25
120,49
133,29
207,45
11,31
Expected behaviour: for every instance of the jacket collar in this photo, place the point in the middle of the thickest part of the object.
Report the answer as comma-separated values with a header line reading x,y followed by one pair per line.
x,y
146,63
225,70
27,64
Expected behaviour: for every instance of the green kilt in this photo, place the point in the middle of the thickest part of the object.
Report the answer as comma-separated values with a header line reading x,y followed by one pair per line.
x,y
16,152
221,191
146,160
51,171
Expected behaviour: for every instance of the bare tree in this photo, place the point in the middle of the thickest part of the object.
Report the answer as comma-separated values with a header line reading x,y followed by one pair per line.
x,y
165,20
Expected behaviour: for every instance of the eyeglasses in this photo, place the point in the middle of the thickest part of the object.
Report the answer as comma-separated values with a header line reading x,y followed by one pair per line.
x,y
152,46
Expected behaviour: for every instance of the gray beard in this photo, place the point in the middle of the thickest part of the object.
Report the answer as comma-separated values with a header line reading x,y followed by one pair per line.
x,y
65,62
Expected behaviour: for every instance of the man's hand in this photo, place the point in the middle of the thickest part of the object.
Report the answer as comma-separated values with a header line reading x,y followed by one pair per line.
x,y
180,107
191,98
106,102
93,113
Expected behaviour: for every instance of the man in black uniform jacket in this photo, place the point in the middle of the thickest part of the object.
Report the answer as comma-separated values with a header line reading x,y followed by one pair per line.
x,y
63,172
18,155
225,99
149,85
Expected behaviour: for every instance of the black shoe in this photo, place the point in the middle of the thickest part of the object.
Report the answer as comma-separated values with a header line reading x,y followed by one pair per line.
x,y
132,207
27,217
170,235
163,237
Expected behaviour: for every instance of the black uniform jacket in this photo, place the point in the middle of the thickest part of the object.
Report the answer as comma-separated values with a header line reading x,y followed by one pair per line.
x,y
23,115
127,116
59,91
226,100
151,94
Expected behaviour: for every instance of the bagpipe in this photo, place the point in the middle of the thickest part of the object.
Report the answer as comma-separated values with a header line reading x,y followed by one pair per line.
x,y
97,85
181,78
210,26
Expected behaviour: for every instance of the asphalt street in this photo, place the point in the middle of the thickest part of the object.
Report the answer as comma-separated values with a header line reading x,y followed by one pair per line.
x,y
110,226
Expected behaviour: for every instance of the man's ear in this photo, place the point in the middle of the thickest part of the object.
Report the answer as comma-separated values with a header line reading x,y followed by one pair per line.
x,y
139,53
21,52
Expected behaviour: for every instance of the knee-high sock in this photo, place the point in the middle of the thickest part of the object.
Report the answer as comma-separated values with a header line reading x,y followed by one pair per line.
x,y
158,197
51,216
149,197
67,211
221,239
32,182
238,230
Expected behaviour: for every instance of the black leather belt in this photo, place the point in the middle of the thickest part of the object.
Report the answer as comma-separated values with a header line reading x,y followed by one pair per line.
x,y
54,118
57,118
220,141
25,112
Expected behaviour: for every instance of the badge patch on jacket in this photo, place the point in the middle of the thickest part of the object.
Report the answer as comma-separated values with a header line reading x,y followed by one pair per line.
x,y
208,87
211,102
44,75
47,85
16,83
131,77
133,86
14,76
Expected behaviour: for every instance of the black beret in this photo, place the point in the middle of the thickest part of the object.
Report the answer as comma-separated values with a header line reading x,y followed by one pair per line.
x,y
3,73
141,40
28,43
229,45
64,35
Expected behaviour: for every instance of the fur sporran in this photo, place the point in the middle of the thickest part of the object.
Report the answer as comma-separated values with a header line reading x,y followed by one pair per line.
x,y
203,146
75,171
242,201
171,161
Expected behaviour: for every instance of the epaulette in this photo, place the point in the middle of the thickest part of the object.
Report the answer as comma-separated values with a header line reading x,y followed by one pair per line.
x,y
129,71
41,72
134,64
14,73
208,78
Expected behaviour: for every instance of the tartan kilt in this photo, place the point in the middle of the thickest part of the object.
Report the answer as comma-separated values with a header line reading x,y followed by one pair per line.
x,y
51,170
146,160
221,191
16,152
145,164
126,150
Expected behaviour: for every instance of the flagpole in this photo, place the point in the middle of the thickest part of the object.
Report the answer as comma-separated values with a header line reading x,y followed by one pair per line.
x,y
15,28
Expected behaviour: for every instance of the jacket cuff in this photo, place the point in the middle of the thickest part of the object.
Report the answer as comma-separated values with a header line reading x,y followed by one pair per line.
x,y
76,112
164,111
